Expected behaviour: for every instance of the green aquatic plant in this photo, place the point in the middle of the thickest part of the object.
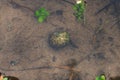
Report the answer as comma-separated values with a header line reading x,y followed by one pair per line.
x,y
5,78
101,77
79,9
41,14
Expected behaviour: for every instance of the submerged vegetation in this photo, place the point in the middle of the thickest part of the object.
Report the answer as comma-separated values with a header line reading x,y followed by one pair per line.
x,y
101,77
41,14
79,9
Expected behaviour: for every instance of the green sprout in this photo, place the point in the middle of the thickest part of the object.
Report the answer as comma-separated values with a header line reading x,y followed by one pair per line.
x,y
101,77
5,78
79,9
41,14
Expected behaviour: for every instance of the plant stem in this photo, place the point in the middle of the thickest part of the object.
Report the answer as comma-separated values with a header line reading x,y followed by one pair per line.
x,y
16,5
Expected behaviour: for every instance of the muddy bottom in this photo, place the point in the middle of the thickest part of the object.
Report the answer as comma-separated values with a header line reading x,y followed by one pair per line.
x,y
26,54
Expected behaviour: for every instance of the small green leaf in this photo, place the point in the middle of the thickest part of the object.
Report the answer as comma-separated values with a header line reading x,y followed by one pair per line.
x,y
37,13
41,14
40,19
5,78
97,78
101,77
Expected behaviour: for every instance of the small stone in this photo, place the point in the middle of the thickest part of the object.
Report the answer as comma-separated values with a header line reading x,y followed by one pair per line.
x,y
13,63
99,56
54,59
59,12
110,39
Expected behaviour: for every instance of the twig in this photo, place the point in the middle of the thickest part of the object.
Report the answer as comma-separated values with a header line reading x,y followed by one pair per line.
x,y
112,2
67,68
71,70
68,2
16,5
71,76
103,8
26,69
